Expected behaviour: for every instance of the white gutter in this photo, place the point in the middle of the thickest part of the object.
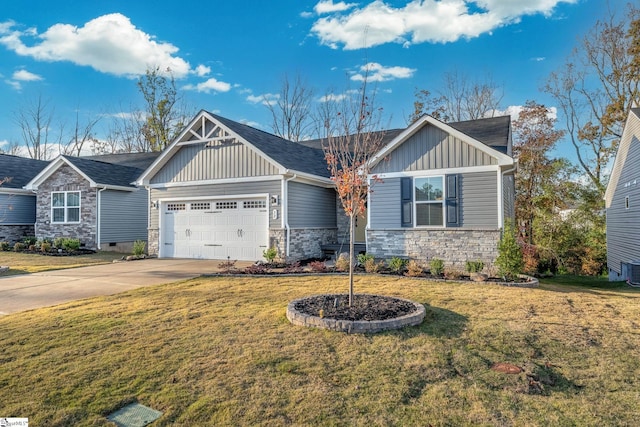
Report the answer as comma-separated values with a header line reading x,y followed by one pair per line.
x,y
285,211
98,205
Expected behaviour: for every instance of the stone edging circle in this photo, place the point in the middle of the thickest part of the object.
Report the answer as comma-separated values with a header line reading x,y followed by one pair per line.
x,y
355,326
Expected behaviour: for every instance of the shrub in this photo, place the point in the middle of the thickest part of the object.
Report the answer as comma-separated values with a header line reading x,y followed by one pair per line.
x,y
139,247
509,261
270,254
371,266
57,242
318,266
363,258
256,269
414,269
45,246
19,247
4,246
474,266
436,266
453,274
227,266
342,263
30,241
70,244
397,264
293,267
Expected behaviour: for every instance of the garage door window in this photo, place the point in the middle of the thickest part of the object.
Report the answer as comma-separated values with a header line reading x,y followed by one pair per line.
x,y
176,206
254,204
203,206
226,205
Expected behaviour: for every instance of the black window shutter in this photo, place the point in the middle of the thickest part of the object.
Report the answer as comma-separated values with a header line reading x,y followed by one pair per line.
x,y
406,198
452,202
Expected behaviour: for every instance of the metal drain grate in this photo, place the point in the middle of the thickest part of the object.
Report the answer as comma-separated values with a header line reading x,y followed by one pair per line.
x,y
134,415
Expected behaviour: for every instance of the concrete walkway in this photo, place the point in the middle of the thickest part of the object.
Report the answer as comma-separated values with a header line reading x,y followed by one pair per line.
x,y
29,291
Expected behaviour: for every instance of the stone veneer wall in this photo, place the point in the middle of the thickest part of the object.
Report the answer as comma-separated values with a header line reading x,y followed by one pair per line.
x,y
66,179
454,247
15,233
304,243
153,240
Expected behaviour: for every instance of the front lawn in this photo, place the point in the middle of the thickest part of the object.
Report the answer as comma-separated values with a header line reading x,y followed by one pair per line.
x,y
21,262
219,351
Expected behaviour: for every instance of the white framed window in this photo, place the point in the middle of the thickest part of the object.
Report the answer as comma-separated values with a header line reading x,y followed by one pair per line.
x,y
65,207
428,195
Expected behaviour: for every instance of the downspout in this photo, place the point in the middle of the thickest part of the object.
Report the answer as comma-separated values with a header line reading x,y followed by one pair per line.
x,y
98,227
285,211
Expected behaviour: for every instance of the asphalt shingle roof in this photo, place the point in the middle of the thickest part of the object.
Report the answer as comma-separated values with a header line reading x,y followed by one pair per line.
x,y
106,173
136,160
291,155
20,169
493,131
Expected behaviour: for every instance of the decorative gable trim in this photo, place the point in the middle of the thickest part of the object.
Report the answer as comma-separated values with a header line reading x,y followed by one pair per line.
x,y
501,158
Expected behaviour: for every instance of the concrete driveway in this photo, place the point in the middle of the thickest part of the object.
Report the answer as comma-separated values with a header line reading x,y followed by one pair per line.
x,y
29,291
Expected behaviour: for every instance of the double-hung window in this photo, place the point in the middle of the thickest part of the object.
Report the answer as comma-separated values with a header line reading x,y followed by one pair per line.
x,y
429,201
65,206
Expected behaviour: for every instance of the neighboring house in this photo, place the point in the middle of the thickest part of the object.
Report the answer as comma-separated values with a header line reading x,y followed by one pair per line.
x,y
224,189
93,199
17,205
622,203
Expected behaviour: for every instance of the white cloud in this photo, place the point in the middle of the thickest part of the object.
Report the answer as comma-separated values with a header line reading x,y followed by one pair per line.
x,y
333,97
26,76
538,58
306,15
109,43
210,85
328,6
375,72
420,21
202,70
514,112
264,99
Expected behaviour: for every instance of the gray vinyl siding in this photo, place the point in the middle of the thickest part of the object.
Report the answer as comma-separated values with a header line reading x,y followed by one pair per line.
x,y
199,162
123,216
623,225
311,206
384,204
17,209
432,148
217,190
478,202
508,197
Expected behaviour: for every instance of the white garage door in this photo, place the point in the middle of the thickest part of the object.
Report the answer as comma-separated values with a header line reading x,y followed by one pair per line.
x,y
215,229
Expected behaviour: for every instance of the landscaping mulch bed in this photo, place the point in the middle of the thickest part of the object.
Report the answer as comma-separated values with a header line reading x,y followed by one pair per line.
x,y
364,307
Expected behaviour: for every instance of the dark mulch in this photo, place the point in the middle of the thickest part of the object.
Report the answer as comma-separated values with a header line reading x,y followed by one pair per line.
x,y
365,307
63,253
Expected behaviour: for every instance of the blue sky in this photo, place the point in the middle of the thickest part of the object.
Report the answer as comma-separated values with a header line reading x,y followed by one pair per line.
x,y
84,56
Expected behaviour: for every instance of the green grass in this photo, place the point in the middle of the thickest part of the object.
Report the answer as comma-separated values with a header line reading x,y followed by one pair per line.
x,y
219,351
22,263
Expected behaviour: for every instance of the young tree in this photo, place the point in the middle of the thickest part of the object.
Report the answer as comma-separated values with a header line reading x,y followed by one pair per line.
x,y
82,134
291,110
353,137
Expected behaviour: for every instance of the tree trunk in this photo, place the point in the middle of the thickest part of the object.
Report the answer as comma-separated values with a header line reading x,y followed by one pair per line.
x,y
351,255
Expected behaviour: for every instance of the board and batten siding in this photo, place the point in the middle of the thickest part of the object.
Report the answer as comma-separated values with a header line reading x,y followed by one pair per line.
x,y
311,206
478,202
273,188
123,216
623,225
210,161
17,209
432,148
